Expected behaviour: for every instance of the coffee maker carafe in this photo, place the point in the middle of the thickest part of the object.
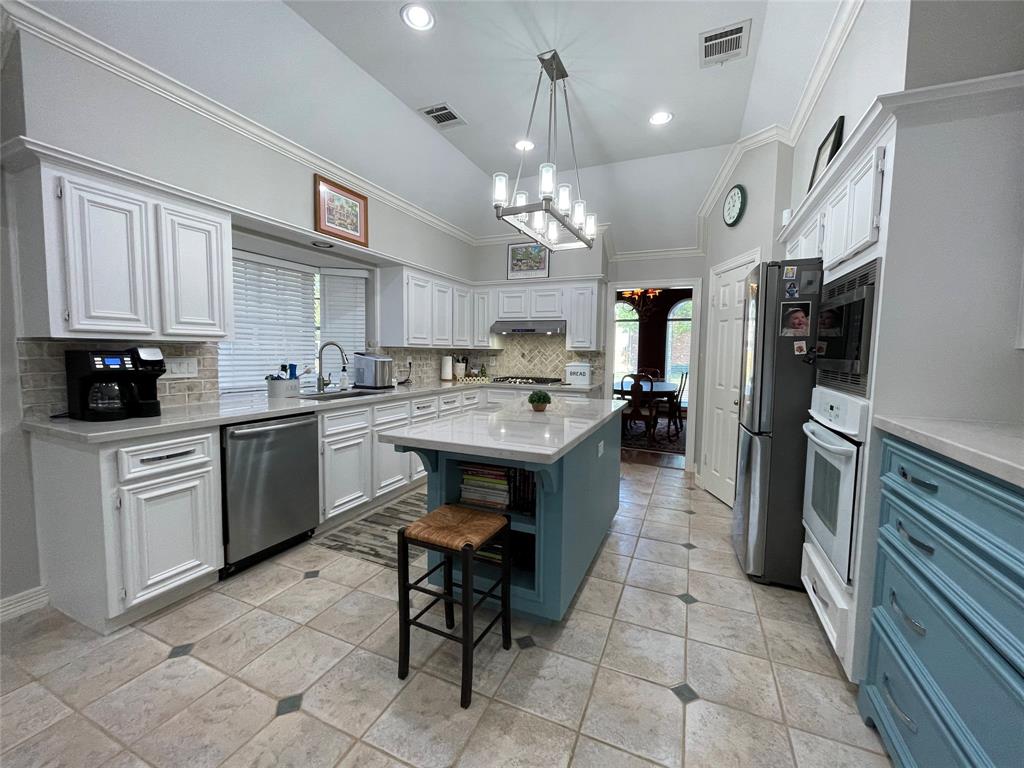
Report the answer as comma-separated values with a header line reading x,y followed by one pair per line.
x,y
104,386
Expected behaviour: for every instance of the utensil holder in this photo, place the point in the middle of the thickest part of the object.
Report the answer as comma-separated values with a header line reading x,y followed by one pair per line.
x,y
282,387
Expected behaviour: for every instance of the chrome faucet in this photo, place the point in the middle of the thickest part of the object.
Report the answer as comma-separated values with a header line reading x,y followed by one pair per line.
x,y
321,382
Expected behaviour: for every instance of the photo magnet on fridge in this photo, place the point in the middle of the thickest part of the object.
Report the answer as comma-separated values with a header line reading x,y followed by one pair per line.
x,y
792,290
789,273
799,347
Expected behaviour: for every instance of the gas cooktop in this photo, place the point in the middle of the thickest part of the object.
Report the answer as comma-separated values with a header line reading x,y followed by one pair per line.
x,y
525,380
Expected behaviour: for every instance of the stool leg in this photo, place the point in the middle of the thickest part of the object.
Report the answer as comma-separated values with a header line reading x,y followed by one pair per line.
x,y
467,626
506,586
449,608
403,605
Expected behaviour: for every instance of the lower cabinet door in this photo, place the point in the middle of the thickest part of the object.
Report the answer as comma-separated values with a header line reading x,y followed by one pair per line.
x,y
390,468
170,533
347,472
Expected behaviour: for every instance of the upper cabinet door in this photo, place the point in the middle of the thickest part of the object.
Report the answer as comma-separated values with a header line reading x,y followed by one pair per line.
x,y
482,319
441,303
865,195
546,303
581,330
108,250
513,303
195,271
462,313
834,246
417,311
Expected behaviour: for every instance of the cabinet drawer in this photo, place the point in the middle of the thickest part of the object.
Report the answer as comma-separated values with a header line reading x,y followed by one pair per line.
x,y
827,595
971,501
390,412
502,395
425,407
165,456
989,594
346,421
471,398
909,719
975,681
451,402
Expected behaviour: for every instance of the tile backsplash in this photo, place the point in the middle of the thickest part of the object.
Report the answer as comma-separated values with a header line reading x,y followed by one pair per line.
x,y
44,387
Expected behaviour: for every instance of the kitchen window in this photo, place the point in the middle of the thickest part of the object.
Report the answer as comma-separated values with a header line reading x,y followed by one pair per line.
x,y
627,339
283,311
678,329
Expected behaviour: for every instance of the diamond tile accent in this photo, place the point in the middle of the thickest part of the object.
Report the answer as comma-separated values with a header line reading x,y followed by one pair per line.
x,y
688,545
180,650
687,598
310,574
289,704
525,642
685,693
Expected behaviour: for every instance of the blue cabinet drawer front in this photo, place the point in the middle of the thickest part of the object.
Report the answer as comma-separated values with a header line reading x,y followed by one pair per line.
x,y
989,597
976,681
983,501
910,724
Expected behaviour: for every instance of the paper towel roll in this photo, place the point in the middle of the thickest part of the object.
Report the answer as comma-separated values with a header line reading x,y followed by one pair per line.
x,y
446,368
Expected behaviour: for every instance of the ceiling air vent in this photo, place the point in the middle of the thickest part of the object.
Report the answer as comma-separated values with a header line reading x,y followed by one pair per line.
x,y
718,46
442,115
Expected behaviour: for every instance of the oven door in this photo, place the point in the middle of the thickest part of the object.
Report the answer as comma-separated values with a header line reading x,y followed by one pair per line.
x,y
829,488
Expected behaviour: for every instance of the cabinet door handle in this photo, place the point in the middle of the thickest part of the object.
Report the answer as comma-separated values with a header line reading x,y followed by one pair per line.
x,y
887,693
923,484
814,589
166,456
910,621
928,549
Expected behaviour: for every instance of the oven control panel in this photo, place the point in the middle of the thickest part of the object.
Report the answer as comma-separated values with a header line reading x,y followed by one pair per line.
x,y
844,413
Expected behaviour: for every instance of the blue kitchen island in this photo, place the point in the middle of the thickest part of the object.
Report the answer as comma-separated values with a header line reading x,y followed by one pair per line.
x,y
562,470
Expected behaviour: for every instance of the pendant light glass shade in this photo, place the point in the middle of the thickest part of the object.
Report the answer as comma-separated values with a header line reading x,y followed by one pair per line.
x,y
553,228
590,228
579,213
538,221
499,195
564,198
521,199
547,180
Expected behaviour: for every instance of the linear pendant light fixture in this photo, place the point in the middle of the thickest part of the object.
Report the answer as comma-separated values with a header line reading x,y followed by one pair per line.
x,y
556,220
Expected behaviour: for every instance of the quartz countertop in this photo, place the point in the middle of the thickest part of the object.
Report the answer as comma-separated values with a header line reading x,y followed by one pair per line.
x,y
513,431
235,409
995,448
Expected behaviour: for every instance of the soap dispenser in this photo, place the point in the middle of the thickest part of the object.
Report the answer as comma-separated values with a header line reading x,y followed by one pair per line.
x,y
343,380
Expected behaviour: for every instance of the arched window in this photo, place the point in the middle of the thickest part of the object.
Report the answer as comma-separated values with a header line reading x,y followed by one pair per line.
x,y
627,338
677,340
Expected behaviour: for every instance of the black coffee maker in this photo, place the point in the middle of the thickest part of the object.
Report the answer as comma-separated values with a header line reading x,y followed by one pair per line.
x,y
104,386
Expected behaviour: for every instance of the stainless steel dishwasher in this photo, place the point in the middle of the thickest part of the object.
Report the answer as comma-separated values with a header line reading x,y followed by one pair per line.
x,y
271,484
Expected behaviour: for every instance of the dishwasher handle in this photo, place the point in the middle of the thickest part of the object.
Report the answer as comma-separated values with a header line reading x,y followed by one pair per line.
x,y
256,431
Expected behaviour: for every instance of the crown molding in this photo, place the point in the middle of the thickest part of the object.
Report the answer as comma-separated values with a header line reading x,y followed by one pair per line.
x,y
839,30
685,252
31,20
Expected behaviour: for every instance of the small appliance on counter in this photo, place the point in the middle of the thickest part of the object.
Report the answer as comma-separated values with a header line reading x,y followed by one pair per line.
x,y
372,371
106,386
446,368
577,374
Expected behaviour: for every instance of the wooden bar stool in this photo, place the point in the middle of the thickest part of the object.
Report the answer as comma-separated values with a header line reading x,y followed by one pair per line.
x,y
453,530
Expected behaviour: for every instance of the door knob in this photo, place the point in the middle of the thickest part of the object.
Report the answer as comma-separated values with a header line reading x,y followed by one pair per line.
x,y
735,402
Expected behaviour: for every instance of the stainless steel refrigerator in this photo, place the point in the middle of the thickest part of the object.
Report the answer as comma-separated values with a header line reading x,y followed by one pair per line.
x,y
779,337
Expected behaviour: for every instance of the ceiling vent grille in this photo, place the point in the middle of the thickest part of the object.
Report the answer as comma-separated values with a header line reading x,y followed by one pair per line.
x,y
720,45
442,116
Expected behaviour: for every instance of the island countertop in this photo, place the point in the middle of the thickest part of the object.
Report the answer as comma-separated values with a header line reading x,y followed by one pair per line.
x,y
513,431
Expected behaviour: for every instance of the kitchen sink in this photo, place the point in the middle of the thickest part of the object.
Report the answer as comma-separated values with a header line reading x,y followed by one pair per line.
x,y
336,395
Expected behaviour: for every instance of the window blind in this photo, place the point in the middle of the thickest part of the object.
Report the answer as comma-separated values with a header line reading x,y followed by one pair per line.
x,y
342,314
274,324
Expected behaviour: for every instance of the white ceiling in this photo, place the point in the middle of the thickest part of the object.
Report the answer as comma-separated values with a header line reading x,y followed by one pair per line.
x,y
625,61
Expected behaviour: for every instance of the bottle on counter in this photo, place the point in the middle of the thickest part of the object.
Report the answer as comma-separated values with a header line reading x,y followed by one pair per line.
x,y
343,379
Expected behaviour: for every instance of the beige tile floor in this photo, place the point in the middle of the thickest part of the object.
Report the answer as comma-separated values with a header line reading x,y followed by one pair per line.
x,y
669,657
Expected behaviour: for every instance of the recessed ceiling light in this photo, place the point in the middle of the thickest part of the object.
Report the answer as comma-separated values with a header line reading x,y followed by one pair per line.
x,y
321,244
524,145
417,16
660,118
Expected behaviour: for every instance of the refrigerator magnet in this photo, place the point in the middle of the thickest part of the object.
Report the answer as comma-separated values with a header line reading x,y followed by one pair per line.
x,y
796,318
792,290
789,273
799,347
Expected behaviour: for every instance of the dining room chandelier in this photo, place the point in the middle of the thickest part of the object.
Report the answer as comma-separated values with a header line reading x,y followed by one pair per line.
x,y
556,220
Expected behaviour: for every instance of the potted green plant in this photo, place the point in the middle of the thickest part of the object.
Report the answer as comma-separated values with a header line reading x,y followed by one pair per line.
x,y
539,399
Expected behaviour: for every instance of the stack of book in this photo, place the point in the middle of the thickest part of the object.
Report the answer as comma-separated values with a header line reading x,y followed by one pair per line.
x,y
485,486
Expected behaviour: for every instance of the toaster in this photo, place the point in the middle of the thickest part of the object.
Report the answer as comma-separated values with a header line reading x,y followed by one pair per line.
x,y
372,371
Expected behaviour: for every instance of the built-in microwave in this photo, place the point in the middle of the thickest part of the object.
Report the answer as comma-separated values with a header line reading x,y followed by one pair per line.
x,y
844,331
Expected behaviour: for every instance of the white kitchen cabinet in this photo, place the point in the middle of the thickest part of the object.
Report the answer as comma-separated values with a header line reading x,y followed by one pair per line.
x,y
346,472
865,202
391,469
502,396
462,317
834,243
441,313
514,303
807,244
581,328
195,271
482,319
170,533
546,303
108,259
418,311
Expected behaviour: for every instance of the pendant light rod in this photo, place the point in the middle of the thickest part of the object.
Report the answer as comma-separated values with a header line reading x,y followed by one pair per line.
x,y
529,126
572,139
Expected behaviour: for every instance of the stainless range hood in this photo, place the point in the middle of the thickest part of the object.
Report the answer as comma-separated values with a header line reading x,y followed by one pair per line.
x,y
536,327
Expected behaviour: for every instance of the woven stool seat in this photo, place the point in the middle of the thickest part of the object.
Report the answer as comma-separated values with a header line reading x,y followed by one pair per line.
x,y
454,527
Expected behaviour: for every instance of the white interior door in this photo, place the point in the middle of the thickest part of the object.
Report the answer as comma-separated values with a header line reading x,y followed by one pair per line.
x,y
725,346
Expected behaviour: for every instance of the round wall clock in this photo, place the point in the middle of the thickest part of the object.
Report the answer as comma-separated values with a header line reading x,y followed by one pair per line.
x,y
734,205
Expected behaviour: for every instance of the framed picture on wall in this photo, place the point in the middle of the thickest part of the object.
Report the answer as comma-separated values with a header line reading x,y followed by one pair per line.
x,y
826,151
527,260
339,211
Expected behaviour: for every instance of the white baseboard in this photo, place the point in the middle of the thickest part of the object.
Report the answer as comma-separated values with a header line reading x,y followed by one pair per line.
x,y
23,602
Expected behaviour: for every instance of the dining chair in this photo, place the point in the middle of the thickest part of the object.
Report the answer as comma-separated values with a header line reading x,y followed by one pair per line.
x,y
673,409
642,404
